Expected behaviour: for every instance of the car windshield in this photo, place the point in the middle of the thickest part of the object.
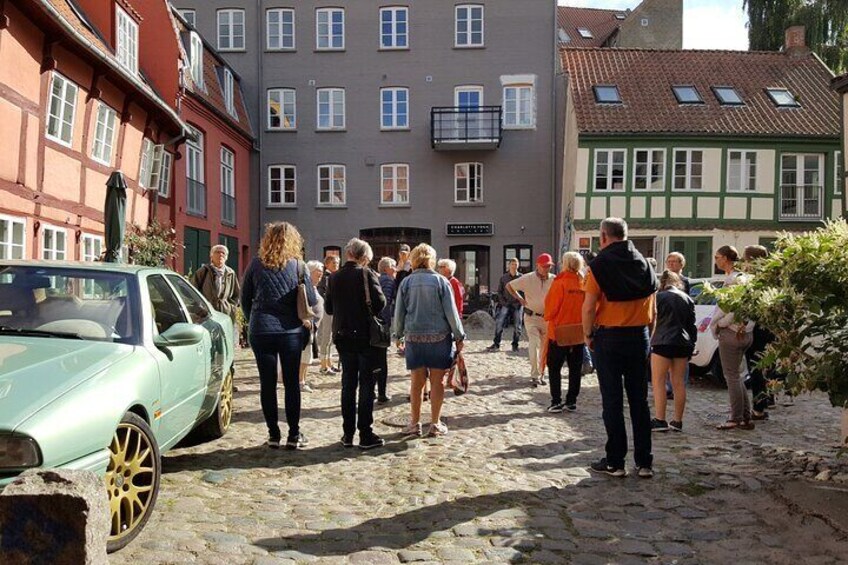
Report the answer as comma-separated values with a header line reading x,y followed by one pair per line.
x,y
67,303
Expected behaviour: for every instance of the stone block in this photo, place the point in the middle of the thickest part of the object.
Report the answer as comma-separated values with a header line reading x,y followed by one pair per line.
x,y
54,516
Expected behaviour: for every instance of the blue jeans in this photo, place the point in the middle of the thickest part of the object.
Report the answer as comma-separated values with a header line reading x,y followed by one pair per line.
x,y
267,348
359,371
620,357
504,312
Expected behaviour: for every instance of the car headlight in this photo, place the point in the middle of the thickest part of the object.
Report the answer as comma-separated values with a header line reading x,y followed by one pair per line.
x,y
19,452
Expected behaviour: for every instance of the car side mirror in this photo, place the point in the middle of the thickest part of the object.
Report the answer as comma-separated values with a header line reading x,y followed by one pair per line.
x,y
179,334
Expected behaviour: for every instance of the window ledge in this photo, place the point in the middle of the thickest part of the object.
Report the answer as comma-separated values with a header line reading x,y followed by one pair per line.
x,y
242,50
393,205
281,130
331,207
335,50
520,128
469,204
279,206
195,214
469,46
390,130
282,50
648,191
393,49
330,130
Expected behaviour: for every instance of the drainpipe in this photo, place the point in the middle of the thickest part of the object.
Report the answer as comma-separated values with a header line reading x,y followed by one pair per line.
x,y
260,130
554,129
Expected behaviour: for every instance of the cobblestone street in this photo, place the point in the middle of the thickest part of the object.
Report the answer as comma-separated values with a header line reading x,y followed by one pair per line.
x,y
508,484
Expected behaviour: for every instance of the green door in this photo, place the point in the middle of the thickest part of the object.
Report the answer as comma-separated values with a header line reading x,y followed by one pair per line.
x,y
698,254
231,243
197,247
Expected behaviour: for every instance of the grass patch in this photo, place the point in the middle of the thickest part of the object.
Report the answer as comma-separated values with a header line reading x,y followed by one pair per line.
x,y
692,489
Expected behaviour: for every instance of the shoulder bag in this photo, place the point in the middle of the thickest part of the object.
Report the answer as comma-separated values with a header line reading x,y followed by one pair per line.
x,y
304,311
378,332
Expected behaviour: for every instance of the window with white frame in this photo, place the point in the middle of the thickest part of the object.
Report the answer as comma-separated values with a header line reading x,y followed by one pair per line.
x,y
165,176
741,171
394,185
279,29
331,108
92,247
147,150
469,25
394,108
688,169
104,134
229,96
54,243
468,183
228,187
282,185
394,28
230,30
609,169
63,104
518,106
282,108
194,156
126,42
196,59
649,169
329,29
332,190
189,16
12,242
838,173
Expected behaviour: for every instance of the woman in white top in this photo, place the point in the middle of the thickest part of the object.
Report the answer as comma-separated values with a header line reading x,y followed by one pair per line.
x,y
734,338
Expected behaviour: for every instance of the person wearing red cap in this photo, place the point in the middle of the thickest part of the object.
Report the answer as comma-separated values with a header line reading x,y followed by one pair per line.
x,y
533,288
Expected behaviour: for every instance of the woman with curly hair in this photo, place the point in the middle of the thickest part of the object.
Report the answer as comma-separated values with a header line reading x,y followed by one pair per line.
x,y
269,302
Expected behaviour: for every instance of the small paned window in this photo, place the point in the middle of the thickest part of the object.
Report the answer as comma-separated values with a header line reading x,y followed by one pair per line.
x,y
165,175
63,103
649,169
280,29
282,185
330,24
104,135
230,30
782,98
838,173
12,237
92,247
229,90
609,169
394,28
469,26
741,171
688,169
282,108
394,186
727,96
585,33
394,108
126,44
331,108
518,106
196,60
687,95
468,183
331,185
54,244
190,16
607,94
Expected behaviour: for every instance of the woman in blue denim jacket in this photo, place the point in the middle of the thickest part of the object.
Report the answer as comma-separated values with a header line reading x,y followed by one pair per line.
x,y
427,320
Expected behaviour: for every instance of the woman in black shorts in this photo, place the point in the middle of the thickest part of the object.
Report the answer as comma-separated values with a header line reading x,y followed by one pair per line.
x,y
672,345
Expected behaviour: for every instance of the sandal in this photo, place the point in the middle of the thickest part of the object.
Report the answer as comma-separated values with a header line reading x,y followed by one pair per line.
x,y
728,425
746,425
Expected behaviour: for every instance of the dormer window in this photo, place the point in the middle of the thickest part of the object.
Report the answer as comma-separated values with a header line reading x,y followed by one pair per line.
x,y
196,59
727,96
607,94
687,95
782,98
585,33
228,93
126,40
563,36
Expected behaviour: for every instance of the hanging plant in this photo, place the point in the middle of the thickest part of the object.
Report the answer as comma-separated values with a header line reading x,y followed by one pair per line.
x,y
154,246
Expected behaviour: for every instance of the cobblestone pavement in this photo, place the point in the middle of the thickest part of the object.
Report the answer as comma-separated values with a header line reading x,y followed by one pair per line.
x,y
508,484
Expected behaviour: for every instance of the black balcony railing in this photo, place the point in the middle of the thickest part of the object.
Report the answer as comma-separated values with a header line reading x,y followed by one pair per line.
x,y
461,128
801,202
196,198
228,209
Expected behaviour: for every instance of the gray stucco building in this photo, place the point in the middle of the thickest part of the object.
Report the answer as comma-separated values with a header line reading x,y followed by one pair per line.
x,y
402,122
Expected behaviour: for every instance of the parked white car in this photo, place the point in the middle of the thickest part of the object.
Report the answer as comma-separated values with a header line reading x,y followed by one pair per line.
x,y
707,361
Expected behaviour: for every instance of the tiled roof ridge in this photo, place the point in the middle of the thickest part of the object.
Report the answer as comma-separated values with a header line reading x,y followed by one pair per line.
x,y
608,10
667,50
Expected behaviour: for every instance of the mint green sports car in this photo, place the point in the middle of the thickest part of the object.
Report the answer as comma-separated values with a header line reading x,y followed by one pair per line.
x,y
103,367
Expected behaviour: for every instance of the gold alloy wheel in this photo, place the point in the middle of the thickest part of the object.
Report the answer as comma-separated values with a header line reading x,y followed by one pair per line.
x,y
130,479
226,401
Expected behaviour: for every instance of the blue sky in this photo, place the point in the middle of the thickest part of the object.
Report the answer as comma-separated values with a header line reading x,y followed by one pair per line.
x,y
707,24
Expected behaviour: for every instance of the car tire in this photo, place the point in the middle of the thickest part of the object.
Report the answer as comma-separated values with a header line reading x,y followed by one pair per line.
x,y
217,424
132,480
716,371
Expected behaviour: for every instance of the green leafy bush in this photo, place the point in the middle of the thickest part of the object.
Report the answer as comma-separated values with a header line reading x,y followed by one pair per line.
x,y
154,246
800,293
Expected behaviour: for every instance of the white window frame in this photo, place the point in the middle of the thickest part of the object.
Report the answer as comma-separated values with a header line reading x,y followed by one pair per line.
x,y
228,172
649,164
190,16
395,106
332,102
126,40
329,37
195,149
609,170
8,245
390,172
165,175
146,163
104,134
744,177
196,59
469,43
54,253
67,107
283,169
838,181
279,32
231,38
478,190
331,170
281,94
229,93
96,244
394,35
516,122
689,176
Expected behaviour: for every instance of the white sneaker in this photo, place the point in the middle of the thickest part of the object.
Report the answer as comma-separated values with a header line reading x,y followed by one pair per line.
x,y
305,388
437,429
412,430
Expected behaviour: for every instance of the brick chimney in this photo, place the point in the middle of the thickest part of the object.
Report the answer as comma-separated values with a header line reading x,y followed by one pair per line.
x,y
795,42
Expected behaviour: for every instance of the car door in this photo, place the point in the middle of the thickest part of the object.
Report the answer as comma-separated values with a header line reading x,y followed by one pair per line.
x,y
182,369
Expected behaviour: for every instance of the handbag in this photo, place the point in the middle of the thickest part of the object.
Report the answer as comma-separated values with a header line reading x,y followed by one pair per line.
x,y
569,334
379,333
304,311
458,375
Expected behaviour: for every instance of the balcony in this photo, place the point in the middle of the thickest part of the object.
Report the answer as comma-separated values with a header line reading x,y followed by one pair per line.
x,y
801,203
466,129
196,198
228,210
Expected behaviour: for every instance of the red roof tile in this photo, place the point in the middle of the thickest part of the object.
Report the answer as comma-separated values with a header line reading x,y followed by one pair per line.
x,y
644,78
601,23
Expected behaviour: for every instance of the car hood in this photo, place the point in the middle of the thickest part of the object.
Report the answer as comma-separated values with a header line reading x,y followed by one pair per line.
x,y
35,371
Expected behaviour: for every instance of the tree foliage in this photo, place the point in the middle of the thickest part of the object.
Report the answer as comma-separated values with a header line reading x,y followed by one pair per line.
x,y
800,293
826,23
153,246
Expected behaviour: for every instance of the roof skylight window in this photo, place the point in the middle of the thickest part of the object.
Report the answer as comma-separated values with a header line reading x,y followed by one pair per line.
x,y
563,36
621,16
687,95
727,96
782,98
607,94
585,33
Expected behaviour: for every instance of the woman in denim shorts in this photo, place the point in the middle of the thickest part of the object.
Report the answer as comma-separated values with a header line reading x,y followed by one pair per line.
x,y
427,320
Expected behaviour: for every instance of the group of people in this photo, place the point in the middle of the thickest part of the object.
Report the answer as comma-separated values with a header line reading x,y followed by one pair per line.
x,y
614,313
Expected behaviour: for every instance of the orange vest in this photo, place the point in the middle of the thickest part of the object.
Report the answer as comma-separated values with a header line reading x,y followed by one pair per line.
x,y
564,305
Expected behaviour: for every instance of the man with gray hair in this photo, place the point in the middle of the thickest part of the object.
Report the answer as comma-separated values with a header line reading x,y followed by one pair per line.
x,y
218,282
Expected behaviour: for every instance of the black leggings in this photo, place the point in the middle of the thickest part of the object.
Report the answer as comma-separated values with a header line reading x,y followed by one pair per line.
x,y
286,347
572,355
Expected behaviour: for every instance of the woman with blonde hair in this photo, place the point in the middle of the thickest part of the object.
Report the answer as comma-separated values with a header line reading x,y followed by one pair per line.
x,y
563,313
269,302
427,320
